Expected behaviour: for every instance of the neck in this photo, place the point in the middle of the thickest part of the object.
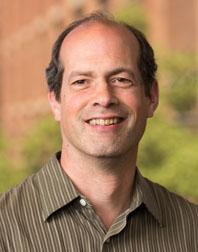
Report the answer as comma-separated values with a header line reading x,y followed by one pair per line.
x,y
106,182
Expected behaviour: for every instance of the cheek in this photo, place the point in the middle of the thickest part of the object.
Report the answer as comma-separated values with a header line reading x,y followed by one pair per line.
x,y
72,104
131,99
136,103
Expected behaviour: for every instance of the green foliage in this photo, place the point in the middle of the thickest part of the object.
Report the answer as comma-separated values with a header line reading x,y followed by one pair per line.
x,y
9,177
168,155
133,14
183,93
41,143
182,75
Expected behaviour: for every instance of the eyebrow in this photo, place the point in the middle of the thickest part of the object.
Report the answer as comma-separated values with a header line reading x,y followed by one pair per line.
x,y
121,70
109,73
80,73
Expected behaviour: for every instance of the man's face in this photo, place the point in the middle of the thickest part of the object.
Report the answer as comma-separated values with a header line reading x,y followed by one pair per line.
x,y
103,108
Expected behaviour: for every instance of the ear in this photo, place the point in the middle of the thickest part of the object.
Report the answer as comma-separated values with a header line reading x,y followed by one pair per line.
x,y
55,105
154,98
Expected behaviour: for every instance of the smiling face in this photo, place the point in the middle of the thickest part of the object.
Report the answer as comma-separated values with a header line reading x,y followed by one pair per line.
x,y
103,108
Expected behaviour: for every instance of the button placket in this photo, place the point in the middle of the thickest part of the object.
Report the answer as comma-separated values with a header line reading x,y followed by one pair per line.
x,y
90,215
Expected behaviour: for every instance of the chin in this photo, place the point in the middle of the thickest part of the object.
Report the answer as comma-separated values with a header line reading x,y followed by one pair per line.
x,y
108,153
105,155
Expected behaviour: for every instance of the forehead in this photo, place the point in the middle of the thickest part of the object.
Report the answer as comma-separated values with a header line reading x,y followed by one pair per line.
x,y
99,37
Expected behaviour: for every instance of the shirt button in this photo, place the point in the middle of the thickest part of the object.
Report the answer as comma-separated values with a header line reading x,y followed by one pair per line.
x,y
83,202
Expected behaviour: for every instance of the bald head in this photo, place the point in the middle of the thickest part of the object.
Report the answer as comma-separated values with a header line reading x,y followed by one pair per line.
x,y
100,24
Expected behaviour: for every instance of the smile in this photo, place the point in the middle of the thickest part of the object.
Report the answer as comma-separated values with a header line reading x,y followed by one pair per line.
x,y
105,122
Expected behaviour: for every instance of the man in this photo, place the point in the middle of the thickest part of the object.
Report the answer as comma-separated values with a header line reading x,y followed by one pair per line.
x,y
90,196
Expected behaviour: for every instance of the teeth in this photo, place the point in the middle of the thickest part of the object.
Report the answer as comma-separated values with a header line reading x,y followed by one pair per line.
x,y
100,122
115,120
105,122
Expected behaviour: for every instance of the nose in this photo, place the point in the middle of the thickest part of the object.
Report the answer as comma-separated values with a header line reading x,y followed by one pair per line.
x,y
105,96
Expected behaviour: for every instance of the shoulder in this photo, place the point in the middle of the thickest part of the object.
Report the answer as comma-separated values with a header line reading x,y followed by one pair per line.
x,y
33,196
19,204
20,211
18,194
25,194
173,207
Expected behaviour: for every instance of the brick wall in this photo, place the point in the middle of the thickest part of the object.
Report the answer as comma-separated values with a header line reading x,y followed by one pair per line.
x,y
25,42
174,24
27,30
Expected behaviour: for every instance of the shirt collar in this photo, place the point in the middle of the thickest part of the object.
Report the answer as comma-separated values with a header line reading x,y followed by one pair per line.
x,y
145,194
55,188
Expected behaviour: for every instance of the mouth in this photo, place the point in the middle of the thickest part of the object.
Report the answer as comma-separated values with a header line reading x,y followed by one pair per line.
x,y
105,121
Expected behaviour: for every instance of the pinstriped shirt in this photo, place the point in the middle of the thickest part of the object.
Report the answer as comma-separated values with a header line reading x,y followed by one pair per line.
x,y
47,213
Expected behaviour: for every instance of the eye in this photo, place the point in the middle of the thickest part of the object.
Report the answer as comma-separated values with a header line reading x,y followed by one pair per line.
x,y
79,82
121,81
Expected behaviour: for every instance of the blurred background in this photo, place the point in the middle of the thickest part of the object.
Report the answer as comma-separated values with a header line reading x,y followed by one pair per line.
x,y
28,133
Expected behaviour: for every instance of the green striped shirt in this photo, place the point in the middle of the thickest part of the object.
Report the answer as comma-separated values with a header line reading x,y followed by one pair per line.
x,y
47,213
